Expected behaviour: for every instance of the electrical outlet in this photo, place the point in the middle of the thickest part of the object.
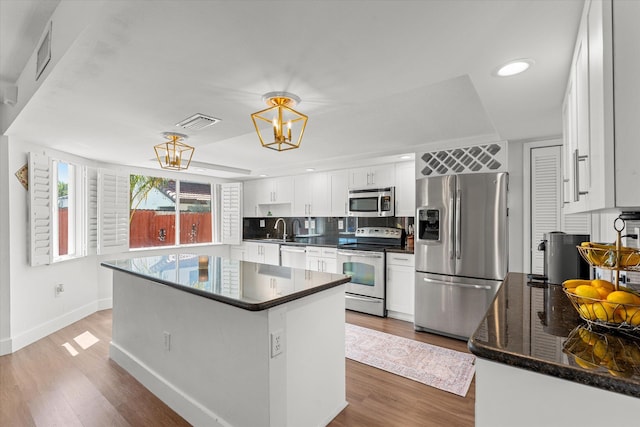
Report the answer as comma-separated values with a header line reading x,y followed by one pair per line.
x,y
340,224
312,224
277,342
167,340
59,289
306,224
262,223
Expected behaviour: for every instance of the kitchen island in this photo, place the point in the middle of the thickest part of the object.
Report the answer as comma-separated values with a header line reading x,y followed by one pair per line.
x,y
232,343
531,370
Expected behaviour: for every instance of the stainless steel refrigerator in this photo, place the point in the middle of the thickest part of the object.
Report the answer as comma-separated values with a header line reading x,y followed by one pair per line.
x,y
461,247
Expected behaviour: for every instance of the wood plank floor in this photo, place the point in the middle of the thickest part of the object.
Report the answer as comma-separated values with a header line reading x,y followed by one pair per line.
x,y
43,385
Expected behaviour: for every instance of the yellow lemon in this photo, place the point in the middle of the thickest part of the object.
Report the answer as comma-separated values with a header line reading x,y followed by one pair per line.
x,y
587,336
632,316
574,283
621,297
585,364
606,312
586,311
587,291
601,283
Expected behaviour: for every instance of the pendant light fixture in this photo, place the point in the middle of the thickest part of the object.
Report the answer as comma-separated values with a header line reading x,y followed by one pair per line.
x,y
280,127
174,154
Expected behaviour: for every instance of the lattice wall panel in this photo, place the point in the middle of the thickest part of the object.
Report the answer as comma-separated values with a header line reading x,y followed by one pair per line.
x,y
478,158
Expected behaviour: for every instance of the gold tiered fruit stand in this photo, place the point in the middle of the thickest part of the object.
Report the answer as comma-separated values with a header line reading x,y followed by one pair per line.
x,y
600,302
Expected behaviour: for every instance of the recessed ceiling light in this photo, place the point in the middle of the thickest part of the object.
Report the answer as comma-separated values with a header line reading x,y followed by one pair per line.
x,y
310,169
514,67
262,175
405,157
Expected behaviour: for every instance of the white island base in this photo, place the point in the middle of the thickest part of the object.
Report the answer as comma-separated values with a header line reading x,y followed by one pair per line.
x,y
211,362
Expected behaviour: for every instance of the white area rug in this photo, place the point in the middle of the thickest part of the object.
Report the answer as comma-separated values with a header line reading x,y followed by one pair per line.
x,y
446,369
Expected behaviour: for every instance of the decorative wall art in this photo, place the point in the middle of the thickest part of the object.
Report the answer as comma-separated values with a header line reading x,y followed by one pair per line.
x,y
23,176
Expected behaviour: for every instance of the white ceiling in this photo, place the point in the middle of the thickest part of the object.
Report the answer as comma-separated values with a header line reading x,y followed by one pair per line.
x,y
376,78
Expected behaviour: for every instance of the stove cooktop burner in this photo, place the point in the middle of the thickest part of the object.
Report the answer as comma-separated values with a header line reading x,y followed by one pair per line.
x,y
375,239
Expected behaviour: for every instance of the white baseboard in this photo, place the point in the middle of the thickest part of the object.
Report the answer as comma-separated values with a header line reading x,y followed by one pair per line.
x,y
5,346
176,399
51,326
400,316
105,304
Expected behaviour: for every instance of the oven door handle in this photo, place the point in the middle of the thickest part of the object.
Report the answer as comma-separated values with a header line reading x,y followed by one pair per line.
x,y
353,297
353,253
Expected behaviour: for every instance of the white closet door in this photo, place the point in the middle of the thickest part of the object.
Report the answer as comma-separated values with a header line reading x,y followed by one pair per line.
x,y
546,181
546,203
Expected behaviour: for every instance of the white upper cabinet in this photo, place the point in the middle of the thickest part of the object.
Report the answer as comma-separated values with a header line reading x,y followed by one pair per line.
x,y
372,177
311,195
260,194
339,192
602,100
275,190
250,198
405,189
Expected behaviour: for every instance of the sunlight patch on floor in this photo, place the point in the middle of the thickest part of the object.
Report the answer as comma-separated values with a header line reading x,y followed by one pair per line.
x,y
72,351
86,340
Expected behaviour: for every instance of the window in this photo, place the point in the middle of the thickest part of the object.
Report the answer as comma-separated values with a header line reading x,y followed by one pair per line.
x,y
64,217
152,218
195,213
57,220
154,206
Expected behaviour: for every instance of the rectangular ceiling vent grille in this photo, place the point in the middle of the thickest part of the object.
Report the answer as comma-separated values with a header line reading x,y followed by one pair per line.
x,y
474,159
197,122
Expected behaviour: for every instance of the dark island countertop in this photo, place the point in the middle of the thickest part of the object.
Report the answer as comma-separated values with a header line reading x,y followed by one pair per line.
x,y
533,326
247,285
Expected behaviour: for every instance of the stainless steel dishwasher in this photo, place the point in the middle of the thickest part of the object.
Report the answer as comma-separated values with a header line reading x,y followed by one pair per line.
x,y
293,256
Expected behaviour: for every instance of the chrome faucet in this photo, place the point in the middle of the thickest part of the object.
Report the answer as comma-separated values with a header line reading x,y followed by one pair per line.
x,y
284,228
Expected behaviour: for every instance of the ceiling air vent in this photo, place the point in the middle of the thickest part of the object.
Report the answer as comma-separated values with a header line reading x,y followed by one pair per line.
x,y
197,122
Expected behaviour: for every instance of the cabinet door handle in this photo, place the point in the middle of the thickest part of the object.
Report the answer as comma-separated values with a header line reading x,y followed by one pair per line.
x,y
577,158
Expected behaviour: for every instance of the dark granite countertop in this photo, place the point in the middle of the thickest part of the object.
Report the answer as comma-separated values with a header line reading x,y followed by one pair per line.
x,y
330,242
534,327
247,285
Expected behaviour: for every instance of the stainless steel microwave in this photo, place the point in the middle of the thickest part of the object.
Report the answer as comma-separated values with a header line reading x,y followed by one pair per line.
x,y
372,202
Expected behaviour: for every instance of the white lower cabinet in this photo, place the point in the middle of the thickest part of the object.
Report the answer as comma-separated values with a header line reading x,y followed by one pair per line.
x,y
322,259
263,253
400,286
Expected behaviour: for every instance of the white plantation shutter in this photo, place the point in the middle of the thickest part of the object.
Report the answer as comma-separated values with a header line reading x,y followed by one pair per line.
x,y
40,209
113,212
231,212
546,183
91,210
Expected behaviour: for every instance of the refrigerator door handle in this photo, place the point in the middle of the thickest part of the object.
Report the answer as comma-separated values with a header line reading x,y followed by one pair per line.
x,y
458,224
460,285
451,219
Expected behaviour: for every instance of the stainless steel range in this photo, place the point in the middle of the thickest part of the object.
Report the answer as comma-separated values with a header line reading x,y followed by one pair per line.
x,y
364,261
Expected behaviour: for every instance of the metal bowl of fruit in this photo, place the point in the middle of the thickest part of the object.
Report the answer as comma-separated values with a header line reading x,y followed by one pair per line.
x,y
620,356
608,256
600,303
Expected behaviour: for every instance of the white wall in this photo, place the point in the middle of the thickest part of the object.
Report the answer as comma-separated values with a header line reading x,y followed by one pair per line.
x,y
515,204
35,311
5,321
29,309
